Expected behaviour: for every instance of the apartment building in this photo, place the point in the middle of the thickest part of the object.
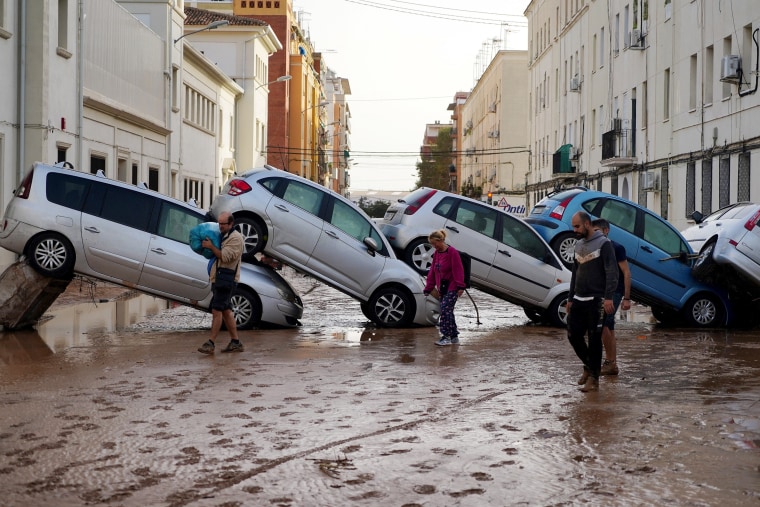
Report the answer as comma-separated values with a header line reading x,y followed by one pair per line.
x,y
652,100
494,139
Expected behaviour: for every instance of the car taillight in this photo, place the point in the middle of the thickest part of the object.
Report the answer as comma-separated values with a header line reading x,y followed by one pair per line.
x,y
559,209
411,209
23,190
752,222
238,187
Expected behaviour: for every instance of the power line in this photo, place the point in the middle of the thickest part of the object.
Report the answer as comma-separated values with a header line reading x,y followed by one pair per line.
x,y
453,9
464,19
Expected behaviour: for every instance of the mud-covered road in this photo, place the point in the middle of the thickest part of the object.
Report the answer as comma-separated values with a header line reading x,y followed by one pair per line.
x,y
337,413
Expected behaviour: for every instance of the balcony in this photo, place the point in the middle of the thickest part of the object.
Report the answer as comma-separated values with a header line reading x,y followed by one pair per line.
x,y
616,148
561,160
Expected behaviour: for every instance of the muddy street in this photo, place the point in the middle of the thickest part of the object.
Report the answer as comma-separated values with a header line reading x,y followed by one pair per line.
x,y
340,413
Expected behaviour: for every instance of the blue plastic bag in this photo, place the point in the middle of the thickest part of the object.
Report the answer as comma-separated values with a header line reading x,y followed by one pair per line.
x,y
202,231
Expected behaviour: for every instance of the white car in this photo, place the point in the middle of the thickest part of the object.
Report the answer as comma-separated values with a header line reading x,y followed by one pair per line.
x,y
728,242
66,221
509,259
325,235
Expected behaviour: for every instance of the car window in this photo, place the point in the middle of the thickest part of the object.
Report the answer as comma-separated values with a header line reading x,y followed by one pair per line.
x,y
663,237
349,220
270,184
738,211
303,196
522,237
67,190
476,217
120,205
620,214
176,222
443,208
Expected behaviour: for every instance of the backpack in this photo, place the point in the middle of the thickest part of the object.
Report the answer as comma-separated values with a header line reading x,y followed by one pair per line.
x,y
466,262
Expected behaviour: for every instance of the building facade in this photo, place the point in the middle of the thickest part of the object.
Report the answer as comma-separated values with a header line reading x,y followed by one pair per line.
x,y
652,100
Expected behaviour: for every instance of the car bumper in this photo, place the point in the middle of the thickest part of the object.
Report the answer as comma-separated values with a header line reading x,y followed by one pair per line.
x,y
280,313
428,310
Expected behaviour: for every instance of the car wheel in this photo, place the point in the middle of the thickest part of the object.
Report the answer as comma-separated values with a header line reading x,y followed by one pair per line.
x,y
704,310
557,312
246,307
564,246
667,317
534,315
254,235
419,255
51,254
390,307
705,268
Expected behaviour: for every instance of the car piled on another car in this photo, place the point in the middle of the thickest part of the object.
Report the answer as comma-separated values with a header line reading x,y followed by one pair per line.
x,y
659,257
509,259
325,235
66,222
728,242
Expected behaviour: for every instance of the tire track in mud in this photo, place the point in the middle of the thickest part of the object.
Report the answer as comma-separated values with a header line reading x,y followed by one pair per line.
x,y
274,463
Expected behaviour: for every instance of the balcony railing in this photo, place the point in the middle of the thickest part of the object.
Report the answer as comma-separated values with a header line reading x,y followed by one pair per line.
x,y
617,148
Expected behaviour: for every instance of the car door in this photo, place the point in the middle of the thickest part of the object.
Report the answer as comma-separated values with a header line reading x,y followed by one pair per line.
x,y
342,256
296,225
471,228
520,266
115,235
171,267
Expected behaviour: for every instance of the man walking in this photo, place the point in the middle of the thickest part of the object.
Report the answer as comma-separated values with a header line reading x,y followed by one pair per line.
x,y
592,286
621,298
224,276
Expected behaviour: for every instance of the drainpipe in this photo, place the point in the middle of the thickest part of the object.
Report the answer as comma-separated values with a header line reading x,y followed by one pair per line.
x,y
21,92
742,93
168,106
80,83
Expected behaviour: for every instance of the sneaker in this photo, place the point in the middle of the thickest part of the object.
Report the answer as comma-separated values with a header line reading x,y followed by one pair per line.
x,y
609,368
234,346
207,348
592,384
584,377
454,340
444,341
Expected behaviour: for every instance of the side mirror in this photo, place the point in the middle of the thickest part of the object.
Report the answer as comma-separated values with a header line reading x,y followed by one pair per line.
x,y
698,217
371,245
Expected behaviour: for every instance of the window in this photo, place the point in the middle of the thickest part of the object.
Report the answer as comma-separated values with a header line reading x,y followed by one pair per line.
x,y
153,178
707,186
727,51
194,189
135,173
691,181
724,181
175,88
666,95
478,218
97,163
743,178
66,190
707,82
63,24
521,237
694,82
61,153
304,196
620,214
663,237
121,205
176,222
350,221
443,208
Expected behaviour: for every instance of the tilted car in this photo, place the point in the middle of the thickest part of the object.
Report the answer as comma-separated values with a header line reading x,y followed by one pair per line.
x,y
659,257
728,242
323,234
509,259
66,221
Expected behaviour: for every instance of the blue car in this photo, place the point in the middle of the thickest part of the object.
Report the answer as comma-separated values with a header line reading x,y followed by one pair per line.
x,y
659,257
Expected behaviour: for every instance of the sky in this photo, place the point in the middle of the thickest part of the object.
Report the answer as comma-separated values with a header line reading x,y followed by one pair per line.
x,y
405,61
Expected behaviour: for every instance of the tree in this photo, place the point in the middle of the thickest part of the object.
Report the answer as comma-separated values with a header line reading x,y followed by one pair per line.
x,y
375,209
434,172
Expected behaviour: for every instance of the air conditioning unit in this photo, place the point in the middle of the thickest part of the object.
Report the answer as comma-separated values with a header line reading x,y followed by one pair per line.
x,y
617,124
575,84
650,181
730,66
636,42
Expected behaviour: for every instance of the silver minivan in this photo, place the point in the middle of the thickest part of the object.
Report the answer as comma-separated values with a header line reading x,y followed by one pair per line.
x,y
67,221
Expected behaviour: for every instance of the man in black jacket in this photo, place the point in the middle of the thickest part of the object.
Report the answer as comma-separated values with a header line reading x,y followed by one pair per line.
x,y
594,280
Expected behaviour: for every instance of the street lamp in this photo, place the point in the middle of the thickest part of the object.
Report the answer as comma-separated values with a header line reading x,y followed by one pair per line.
x,y
211,26
321,104
280,79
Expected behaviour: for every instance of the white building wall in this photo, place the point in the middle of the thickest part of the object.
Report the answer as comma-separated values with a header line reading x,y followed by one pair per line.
x,y
667,96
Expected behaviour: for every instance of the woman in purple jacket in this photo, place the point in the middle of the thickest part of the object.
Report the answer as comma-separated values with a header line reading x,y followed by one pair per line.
x,y
446,277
